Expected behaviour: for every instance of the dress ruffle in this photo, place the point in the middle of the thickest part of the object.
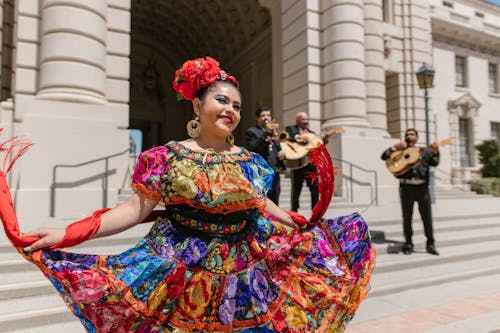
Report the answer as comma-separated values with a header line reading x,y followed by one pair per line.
x,y
273,280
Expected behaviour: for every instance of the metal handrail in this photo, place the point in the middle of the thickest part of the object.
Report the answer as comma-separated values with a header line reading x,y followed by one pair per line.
x,y
373,189
104,181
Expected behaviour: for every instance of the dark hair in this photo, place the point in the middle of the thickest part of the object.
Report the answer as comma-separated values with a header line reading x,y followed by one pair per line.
x,y
202,93
261,109
413,130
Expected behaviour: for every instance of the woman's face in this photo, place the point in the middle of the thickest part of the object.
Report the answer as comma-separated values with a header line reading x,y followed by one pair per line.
x,y
219,111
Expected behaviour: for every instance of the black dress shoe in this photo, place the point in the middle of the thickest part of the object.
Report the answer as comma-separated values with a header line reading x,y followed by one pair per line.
x,y
432,249
407,248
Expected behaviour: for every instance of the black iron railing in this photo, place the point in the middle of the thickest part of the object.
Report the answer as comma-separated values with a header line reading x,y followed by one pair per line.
x,y
350,178
105,175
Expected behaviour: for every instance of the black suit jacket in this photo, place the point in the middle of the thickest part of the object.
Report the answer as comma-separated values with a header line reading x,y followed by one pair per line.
x,y
257,140
293,131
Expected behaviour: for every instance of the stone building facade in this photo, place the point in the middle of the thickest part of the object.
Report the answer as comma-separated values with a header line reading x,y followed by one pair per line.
x,y
77,75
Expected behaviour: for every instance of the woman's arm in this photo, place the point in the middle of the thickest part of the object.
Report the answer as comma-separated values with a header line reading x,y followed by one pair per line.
x,y
122,217
280,214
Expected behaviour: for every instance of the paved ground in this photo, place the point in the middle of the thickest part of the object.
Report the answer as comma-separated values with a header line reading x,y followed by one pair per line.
x,y
457,307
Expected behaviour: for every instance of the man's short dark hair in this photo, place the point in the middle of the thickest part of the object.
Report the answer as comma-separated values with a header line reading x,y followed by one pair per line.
x,y
261,109
412,130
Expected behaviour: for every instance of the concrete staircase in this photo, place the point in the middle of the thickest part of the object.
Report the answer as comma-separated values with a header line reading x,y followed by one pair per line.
x,y
469,247
406,287
467,230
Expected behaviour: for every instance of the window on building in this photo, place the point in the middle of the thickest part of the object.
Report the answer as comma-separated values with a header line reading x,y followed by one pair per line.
x,y
460,71
465,142
493,78
495,132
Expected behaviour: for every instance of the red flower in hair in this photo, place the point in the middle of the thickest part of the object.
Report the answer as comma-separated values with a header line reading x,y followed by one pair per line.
x,y
197,74
226,77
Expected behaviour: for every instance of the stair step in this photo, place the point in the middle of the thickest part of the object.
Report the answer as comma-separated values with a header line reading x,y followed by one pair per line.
x,y
451,218
13,271
72,325
446,239
391,262
25,289
396,229
419,276
443,278
19,305
36,319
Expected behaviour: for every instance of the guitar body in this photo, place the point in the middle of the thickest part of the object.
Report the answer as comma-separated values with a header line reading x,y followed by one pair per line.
x,y
296,152
401,161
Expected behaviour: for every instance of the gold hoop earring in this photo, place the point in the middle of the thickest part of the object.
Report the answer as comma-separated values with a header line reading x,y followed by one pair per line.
x,y
230,139
193,127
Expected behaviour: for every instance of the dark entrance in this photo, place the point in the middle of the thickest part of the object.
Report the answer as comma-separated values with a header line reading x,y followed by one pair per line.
x,y
165,33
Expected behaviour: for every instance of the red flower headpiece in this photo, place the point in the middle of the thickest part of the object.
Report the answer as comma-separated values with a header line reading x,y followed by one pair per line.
x,y
197,74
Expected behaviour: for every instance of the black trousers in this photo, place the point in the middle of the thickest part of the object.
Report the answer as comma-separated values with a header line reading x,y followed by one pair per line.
x,y
274,193
409,194
298,176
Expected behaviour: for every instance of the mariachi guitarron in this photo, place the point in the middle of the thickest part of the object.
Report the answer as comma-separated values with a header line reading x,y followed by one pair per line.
x,y
296,151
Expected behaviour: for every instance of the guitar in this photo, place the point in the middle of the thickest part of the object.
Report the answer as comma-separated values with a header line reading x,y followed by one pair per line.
x,y
401,161
296,152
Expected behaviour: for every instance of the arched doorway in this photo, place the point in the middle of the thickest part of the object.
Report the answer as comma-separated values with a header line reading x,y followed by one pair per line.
x,y
165,33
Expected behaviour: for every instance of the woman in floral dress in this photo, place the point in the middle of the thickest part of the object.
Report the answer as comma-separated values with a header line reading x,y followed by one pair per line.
x,y
221,257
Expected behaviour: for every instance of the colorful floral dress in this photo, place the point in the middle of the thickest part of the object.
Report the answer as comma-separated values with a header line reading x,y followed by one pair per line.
x,y
216,262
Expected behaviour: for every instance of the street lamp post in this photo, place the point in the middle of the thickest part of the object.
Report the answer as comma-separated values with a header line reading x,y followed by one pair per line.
x,y
425,78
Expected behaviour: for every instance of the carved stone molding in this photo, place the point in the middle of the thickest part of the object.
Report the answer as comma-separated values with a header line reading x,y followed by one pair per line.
x,y
464,44
464,106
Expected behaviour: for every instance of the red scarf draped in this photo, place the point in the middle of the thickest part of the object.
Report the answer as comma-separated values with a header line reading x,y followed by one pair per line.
x,y
76,232
325,175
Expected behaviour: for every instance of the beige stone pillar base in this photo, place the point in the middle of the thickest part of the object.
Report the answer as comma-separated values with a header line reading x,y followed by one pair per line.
x,y
67,134
362,151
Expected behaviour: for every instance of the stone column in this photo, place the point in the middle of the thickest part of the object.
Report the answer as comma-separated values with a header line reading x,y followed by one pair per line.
x,y
374,66
412,16
301,61
73,50
343,60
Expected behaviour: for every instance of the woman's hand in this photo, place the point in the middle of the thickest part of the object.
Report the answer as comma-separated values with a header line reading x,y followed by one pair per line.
x,y
280,215
48,237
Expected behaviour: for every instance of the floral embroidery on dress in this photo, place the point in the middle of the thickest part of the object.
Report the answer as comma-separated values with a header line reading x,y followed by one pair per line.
x,y
215,262
218,182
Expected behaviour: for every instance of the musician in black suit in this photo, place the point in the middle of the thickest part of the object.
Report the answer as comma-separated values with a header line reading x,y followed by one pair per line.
x,y
414,186
262,140
298,175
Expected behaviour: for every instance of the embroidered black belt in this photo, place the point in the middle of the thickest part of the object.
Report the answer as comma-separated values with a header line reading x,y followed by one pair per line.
x,y
411,181
199,219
